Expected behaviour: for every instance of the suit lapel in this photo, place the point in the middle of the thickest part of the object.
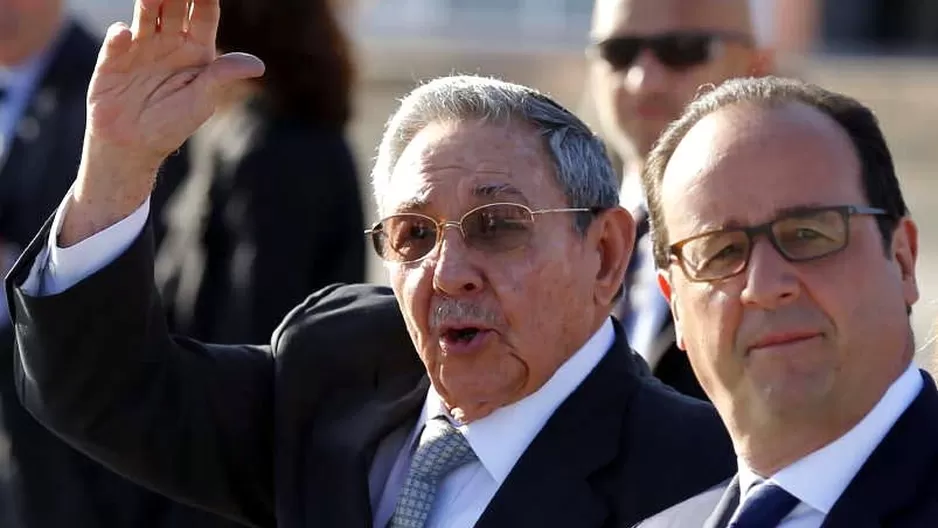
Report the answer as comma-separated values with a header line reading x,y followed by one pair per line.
x,y
897,472
726,507
345,450
554,483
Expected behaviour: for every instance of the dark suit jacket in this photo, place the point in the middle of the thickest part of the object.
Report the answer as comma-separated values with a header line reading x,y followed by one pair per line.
x,y
268,211
896,487
673,368
285,435
53,484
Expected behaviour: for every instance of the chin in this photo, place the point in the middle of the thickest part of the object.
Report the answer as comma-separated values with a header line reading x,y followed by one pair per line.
x,y
475,399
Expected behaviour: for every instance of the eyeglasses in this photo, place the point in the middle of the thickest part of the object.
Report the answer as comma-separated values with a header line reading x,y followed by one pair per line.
x,y
491,228
799,237
678,51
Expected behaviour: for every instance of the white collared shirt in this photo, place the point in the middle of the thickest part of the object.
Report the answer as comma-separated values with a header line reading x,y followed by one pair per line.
x,y
819,479
498,441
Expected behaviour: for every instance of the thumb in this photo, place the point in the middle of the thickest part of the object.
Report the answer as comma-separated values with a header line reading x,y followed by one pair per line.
x,y
230,67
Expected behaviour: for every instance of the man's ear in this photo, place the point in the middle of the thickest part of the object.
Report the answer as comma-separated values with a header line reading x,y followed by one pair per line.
x,y
664,284
904,251
613,233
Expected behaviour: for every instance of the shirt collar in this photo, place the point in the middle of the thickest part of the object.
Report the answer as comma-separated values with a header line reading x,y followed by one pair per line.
x,y
842,459
500,438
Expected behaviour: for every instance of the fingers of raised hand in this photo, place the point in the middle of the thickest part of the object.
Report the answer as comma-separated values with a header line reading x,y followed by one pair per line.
x,y
146,18
174,16
203,20
230,67
116,42
199,18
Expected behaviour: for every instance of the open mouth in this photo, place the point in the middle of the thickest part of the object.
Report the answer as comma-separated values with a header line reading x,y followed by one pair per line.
x,y
464,339
461,335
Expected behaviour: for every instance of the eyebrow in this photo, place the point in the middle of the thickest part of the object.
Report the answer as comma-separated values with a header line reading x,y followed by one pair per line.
x,y
779,213
495,190
484,191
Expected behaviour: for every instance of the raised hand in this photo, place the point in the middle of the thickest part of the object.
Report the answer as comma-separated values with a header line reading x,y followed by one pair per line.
x,y
154,84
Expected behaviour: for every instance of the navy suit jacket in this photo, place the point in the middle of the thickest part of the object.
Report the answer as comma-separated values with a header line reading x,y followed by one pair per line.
x,y
284,435
897,487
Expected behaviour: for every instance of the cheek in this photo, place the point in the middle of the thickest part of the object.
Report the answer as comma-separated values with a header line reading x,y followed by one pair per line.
x,y
709,319
544,298
413,287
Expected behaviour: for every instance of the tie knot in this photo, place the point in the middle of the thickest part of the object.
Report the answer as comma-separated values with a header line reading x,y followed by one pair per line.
x,y
764,507
441,450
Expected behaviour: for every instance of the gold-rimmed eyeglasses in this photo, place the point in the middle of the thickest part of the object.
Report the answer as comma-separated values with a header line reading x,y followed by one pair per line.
x,y
492,228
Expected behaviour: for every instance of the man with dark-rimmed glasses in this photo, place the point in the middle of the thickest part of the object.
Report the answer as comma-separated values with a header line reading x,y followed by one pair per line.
x,y
787,255
489,386
648,59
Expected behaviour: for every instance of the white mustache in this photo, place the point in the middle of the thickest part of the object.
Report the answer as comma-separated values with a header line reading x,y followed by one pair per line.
x,y
452,312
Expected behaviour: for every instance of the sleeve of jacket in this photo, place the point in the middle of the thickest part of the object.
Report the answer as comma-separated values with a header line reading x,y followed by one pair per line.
x,y
96,365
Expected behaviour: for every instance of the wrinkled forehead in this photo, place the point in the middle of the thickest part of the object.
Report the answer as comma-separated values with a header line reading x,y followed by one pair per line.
x,y
449,168
648,17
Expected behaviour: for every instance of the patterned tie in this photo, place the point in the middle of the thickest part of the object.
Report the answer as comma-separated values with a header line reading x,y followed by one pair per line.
x,y
765,507
442,449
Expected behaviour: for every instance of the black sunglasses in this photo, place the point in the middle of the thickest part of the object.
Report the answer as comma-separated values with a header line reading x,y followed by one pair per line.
x,y
678,50
798,237
492,228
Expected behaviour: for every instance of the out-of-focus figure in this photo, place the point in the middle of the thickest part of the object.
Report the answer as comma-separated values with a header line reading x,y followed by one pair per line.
x,y
270,208
649,58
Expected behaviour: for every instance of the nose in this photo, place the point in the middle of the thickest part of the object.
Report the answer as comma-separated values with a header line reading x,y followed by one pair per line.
x,y
646,74
771,281
455,272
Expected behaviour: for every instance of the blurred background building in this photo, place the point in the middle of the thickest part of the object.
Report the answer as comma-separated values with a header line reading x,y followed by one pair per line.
x,y
884,52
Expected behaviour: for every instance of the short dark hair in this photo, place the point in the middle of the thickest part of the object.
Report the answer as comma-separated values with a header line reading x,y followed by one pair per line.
x,y
309,68
880,184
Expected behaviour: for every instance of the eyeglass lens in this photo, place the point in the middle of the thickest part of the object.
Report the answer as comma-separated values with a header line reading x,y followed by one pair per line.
x,y
798,238
494,228
675,51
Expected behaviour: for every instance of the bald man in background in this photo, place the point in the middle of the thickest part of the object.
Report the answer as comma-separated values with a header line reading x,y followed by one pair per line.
x,y
648,59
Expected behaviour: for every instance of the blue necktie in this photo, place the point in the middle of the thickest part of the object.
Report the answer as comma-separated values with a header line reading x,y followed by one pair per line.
x,y
765,507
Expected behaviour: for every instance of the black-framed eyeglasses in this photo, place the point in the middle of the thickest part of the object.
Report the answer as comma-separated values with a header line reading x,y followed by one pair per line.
x,y
799,237
492,228
676,50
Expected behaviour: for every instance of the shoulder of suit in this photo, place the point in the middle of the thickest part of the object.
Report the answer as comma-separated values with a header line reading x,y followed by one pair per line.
x,y
691,512
355,304
345,333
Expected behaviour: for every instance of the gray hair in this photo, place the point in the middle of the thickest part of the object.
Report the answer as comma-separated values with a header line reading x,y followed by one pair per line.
x,y
581,166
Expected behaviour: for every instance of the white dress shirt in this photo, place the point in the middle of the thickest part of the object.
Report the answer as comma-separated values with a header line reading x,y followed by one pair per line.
x,y
819,479
498,440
